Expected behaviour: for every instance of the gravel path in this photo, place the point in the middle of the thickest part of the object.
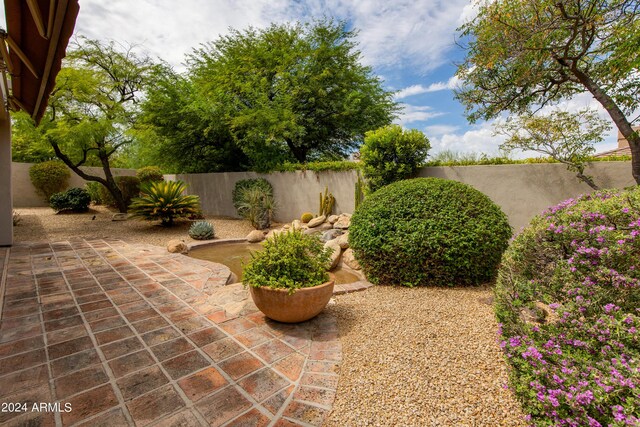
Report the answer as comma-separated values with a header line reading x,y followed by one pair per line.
x,y
411,357
420,357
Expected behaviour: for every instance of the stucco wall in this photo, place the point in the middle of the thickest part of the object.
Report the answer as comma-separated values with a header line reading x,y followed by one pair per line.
x,y
25,195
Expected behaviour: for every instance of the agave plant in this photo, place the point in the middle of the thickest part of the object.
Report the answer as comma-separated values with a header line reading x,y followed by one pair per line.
x,y
164,200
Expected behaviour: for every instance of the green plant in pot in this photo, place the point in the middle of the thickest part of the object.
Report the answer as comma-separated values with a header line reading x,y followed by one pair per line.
x,y
288,279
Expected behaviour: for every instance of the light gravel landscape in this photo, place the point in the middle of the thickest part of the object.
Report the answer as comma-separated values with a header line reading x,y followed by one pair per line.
x,y
411,357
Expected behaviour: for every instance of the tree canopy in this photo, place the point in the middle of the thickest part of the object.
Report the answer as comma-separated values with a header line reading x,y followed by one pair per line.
x,y
290,91
525,54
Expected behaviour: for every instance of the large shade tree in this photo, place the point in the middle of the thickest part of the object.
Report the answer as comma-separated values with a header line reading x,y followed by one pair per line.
x,y
291,90
93,107
525,54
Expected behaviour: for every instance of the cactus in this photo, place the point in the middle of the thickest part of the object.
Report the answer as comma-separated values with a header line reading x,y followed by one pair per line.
x,y
306,217
201,230
359,194
326,203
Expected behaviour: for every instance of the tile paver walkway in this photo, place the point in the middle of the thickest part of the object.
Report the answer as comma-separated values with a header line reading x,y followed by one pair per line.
x,y
108,333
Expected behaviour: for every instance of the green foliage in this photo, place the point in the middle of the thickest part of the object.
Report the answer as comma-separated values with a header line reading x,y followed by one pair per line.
x,y
149,173
342,165
290,92
391,153
452,158
428,231
524,54
359,191
49,177
164,201
28,145
201,230
306,217
565,137
95,192
326,203
249,204
129,187
575,268
74,199
290,260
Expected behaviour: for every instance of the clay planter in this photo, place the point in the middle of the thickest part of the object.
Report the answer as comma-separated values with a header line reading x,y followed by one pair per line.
x,y
303,304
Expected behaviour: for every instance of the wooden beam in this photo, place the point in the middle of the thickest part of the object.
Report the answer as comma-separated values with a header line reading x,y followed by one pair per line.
x,y
20,105
23,57
5,55
60,14
52,12
37,17
5,94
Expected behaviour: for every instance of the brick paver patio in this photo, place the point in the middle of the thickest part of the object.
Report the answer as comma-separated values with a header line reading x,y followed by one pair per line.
x,y
108,333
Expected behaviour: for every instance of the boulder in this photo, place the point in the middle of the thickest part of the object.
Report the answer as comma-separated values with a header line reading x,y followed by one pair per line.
x,y
350,260
296,224
330,234
335,254
332,219
286,226
177,247
324,226
343,222
316,221
255,236
343,240
119,217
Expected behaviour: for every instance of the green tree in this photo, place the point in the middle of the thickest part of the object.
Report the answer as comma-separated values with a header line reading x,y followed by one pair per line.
x,y
524,54
566,137
291,91
28,145
391,153
93,107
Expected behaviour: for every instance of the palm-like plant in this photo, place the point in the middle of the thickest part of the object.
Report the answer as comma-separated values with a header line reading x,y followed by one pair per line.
x,y
164,200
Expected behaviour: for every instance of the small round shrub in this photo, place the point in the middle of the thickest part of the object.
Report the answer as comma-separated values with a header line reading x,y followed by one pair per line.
x,y
568,298
74,199
428,231
128,185
391,153
201,230
149,173
49,177
306,217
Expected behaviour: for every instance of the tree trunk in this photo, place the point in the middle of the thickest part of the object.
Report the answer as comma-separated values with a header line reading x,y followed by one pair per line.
x,y
300,153
618,118
112,186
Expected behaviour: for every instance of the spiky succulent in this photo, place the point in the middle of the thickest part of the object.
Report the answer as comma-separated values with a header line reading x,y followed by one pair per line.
x,y
201,230
164,200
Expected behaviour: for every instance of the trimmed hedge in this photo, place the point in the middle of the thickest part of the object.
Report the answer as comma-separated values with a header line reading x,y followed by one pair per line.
x,y
568,298
429,231
49,178
128,185
149,173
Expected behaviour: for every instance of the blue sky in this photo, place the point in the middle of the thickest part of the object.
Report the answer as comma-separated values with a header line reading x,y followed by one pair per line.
x,y
411,45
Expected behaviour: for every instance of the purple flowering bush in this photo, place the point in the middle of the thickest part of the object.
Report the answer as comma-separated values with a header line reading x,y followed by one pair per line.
x,y
568,301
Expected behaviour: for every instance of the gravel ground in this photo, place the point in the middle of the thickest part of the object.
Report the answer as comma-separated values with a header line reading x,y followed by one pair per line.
x,y
45,224
421,357
411,357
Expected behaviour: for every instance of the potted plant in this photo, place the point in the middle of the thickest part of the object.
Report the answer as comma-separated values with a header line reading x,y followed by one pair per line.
x,y
288,279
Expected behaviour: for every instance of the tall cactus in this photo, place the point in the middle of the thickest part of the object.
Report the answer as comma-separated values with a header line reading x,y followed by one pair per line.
x,y
326,203
359,193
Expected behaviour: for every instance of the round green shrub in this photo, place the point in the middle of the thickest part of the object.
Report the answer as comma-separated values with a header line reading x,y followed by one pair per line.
x,y
428,231
128,185
306,217
149,173
49,177
567,297
74,199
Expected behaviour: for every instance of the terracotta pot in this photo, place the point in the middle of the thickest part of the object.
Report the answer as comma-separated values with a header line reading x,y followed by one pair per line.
x,y
303,304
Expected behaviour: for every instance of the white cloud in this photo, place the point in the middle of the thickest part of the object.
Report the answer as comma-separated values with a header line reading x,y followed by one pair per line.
x,y
453,83
435,131
406,33
416,113
479,139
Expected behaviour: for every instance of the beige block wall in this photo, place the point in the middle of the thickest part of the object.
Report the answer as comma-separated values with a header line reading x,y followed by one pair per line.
x,y
25,195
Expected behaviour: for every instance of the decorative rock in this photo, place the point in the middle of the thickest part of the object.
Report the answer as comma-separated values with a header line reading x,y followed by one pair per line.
x,y
177,247
330,234
343,222
332,219
335,255
119,217
324,226
343,240
316,221
296,224
350,260
255,236
286,226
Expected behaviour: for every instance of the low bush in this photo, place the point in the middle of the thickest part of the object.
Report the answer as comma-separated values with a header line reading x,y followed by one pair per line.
x,y
429,231
74,199
128,185
290,260
149,173
49,178
568,298
164,201
94,190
